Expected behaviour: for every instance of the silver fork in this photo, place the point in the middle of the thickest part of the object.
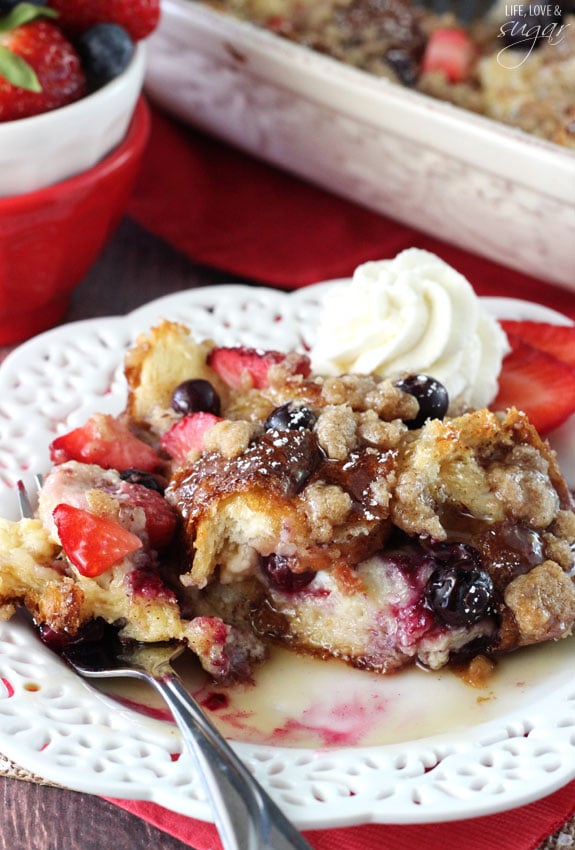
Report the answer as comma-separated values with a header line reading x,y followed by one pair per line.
x,y
245,815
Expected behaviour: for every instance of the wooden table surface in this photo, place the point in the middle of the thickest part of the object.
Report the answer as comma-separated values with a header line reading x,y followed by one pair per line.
x,y
134,269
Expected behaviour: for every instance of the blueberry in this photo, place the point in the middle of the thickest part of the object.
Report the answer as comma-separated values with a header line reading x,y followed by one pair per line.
x,y
289,417
403,64
105,51
460,597
278,571
431,395
145,479
195,395
453,554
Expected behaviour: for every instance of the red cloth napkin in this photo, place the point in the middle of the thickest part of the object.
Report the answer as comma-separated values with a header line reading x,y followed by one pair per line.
x,y
227,210
521,829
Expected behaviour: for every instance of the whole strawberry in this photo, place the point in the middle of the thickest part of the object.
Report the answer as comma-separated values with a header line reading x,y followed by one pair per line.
x,y
138,17
40,70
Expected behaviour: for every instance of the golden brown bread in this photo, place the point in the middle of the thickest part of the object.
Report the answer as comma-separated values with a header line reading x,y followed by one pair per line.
x,y
337,537
158,362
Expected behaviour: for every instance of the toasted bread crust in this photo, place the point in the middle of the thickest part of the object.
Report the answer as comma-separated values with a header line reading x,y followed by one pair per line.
x,y
156,364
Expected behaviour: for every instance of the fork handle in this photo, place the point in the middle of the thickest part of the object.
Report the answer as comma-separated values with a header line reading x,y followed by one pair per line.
x,y
246,817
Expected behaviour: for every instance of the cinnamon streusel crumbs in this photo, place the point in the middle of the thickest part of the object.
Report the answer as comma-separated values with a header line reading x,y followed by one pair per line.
x,y
374,431
558,550
479,464
325,505
348,389
102,504
564,526
336,431
389,402
521,481
559,540
542,602
365,392
230,437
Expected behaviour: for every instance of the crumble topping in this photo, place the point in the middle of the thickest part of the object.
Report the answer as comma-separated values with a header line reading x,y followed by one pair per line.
x,y
347,389
472,462
542,602
230,438
336,431
559,540
558,550
326,506
374,431
316,513
521,481
564,526
365,392
103,504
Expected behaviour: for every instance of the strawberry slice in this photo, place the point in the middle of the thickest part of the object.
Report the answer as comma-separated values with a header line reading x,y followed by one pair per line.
x,y
187,434
160,516
92,543
242,367
537,383
105,441
450,51
558,340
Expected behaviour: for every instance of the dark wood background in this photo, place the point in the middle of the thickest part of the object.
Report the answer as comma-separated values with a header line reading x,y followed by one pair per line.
x,y
38,817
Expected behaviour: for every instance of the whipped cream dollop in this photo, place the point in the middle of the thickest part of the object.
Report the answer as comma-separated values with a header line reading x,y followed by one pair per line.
x,y
412,314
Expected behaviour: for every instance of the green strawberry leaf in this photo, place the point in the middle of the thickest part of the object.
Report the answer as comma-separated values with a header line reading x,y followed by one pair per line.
x,y
13,68
23,13
17,71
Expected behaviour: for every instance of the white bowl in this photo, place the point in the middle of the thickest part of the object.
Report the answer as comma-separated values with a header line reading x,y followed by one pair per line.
x,y
45,149
464,178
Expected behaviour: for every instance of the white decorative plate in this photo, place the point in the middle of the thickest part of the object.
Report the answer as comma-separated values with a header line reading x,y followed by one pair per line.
x,y
411,748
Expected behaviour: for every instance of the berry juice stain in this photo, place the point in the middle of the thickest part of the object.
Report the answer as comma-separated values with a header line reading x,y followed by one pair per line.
x,y
345,724
143,708
9,690
215,701
303,702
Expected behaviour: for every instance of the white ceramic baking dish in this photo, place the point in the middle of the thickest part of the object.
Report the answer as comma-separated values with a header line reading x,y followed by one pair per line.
x,y
480,185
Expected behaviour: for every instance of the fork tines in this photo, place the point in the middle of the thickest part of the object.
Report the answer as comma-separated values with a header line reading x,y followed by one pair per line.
x,y
24,503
